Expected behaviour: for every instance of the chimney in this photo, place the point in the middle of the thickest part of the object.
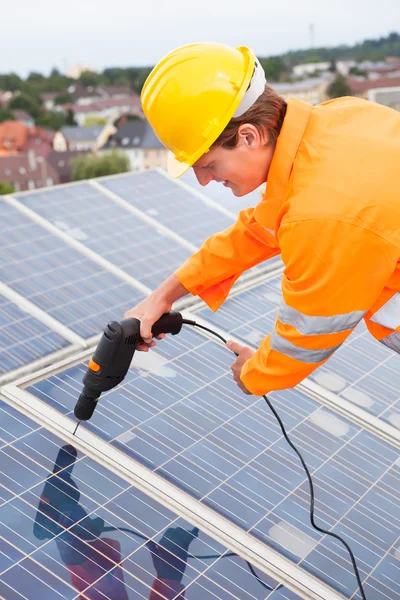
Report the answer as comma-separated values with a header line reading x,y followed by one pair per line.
x,y
32,160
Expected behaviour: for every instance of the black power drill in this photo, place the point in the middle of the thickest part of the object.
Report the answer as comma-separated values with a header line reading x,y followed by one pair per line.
x,y
113,356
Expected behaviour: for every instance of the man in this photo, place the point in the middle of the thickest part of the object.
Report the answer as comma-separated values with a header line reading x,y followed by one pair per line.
x,y
331,207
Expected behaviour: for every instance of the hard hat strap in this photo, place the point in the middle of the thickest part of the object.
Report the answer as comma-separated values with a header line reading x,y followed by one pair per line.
x,y
254,91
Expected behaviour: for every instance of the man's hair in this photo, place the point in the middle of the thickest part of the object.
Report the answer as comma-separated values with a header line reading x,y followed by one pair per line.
x,y
267,114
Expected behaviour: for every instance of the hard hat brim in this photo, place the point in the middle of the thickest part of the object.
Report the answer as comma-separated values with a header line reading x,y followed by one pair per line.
x,y
176,168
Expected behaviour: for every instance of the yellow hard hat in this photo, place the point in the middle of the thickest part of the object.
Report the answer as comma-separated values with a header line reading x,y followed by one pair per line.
x,y
193,92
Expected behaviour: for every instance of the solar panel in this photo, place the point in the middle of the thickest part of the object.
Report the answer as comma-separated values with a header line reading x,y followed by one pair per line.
x,y
171,205
92,218
71,528
362,371
57,278
180,414
222,195
23,338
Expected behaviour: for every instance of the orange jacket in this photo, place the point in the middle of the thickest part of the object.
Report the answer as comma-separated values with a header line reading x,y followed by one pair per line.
x,y
332,210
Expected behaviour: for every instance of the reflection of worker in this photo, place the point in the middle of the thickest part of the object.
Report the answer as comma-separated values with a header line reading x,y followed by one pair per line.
x,y
94,561
331,206
86,556
170,559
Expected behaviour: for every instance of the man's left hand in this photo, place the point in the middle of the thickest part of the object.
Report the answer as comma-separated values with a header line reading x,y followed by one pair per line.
x,y
244,353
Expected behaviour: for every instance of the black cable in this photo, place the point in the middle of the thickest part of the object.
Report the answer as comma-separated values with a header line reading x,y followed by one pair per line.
x,y
311,485
201,557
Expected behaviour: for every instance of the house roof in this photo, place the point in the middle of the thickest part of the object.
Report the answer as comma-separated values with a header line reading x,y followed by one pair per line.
x,y
133,102
49,95
84,92
358,86
20,169
134,134
61,161
22,115
13,136
115,90
76,134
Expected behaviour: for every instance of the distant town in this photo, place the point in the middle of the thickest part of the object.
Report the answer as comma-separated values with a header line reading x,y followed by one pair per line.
x,y
84,124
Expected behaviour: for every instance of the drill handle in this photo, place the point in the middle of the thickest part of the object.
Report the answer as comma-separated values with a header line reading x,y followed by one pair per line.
x,y
170,322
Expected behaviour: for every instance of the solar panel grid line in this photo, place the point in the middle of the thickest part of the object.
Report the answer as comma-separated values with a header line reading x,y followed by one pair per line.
x,y
39,314
346,408
143,216
77,245
351,411
203,197
262,557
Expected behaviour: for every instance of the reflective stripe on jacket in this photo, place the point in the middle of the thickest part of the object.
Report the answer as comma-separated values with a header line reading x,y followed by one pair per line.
x,y
332,210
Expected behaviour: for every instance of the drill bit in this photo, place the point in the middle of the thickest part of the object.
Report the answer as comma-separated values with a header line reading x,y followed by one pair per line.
x,y
77,425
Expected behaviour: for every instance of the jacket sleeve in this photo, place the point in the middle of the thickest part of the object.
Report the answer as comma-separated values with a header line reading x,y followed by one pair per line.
x,y
212,270
334,272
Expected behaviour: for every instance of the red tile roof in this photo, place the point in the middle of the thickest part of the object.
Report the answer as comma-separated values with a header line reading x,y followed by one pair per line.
x,y
359,87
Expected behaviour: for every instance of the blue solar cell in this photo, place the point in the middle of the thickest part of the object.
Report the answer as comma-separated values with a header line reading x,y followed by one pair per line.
x,y
362,371
171,205
102,225
181,414
57,278
69,526
23,338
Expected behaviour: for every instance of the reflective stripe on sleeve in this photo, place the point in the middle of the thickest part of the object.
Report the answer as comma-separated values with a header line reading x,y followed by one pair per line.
x,y
392,341
282,345
389,314
307,325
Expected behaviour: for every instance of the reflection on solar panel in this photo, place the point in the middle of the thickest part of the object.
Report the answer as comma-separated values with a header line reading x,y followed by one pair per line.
x,y
71,528
362,371
180,414
57,278
89,216
23,338
172,206
222,195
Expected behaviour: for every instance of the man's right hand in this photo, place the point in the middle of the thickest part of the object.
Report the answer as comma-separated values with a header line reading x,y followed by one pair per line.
x,y
148,312
153,307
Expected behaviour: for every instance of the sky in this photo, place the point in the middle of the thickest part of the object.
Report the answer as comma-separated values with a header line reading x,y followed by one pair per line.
x,y
37,36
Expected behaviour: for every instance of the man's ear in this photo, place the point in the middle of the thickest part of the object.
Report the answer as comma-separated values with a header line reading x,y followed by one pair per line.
x,y
249,135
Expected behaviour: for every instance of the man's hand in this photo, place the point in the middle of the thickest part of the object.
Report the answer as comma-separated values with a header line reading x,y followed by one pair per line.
x,y
171,553
243,354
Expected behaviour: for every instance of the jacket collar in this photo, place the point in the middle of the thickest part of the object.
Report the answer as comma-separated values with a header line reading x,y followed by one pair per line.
x,y
294,125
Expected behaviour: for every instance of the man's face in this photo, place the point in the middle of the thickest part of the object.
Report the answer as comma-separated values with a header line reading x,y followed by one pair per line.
x,y
243,168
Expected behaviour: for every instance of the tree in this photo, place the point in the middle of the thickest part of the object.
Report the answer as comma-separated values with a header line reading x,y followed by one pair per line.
x,y
63,98
339,87
87,167
27,103
93,120
10,82
6,188
6,115
90,79
70,119
51,119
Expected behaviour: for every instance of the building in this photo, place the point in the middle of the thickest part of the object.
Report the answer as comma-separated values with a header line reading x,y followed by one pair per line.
x,y
82,95
18,138
76,71
115,92
109,109
61,162
362,87
137,140
89,138
313,90
48,99
388,96
23,117
310,68
27,172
